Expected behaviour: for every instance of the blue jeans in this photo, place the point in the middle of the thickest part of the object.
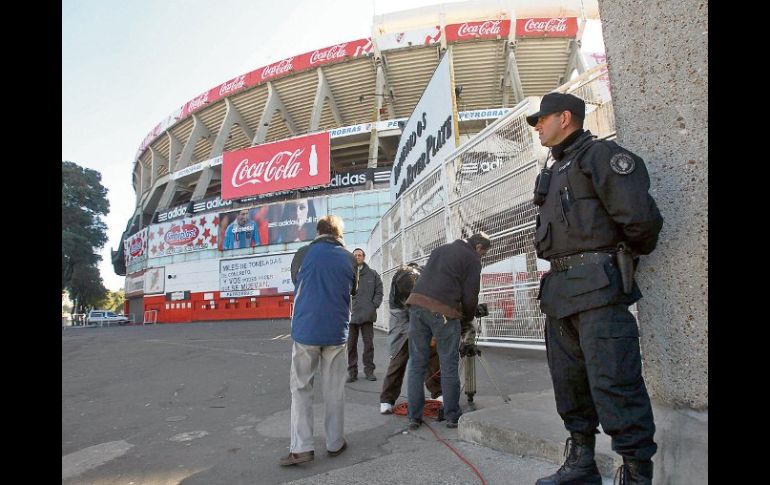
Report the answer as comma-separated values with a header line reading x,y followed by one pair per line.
x,y
424,324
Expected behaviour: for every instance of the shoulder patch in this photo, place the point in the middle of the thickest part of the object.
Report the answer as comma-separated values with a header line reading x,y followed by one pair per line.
x,y
622,163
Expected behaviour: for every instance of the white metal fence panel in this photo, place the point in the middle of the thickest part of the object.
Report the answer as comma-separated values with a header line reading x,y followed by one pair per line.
x,y
487,185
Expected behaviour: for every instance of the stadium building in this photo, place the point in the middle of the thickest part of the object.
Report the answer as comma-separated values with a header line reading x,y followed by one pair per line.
x,y
231,184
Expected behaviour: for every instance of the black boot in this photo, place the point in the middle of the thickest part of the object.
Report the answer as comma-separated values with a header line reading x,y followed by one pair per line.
x,y
580,467
634,472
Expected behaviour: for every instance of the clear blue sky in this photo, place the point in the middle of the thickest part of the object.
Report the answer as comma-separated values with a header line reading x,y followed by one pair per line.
x,y
127,65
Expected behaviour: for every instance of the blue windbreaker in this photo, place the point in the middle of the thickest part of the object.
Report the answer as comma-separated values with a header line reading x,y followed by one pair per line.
x,y
324,279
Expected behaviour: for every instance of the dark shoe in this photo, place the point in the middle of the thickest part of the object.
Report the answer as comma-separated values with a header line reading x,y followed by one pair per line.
x,y
295,458
352,379
634,472
414,423
451,424
370,377
342,448
580,466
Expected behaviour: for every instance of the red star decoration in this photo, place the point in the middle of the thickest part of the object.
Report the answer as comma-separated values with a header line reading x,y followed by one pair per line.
x,y
153,249
160,247
152,236
199,242
213,241
216,220
160,230
202,222
207,233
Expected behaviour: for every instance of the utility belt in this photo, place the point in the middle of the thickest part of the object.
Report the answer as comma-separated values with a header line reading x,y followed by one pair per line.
x,y
595,257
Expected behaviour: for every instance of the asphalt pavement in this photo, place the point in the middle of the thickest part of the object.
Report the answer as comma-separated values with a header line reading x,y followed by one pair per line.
x,y
208,403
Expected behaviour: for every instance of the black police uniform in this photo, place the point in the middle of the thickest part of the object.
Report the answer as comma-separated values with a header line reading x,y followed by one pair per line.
x,y
597,197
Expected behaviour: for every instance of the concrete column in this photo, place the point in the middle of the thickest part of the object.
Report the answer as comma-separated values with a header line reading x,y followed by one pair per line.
x,y
658,69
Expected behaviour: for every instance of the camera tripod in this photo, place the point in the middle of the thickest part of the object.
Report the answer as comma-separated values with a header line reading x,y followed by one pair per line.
x,y
468,352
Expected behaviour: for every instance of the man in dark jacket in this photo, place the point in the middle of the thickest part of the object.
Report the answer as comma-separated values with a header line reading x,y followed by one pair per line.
x,y
443,304
365,304
324,278
401,287
596,217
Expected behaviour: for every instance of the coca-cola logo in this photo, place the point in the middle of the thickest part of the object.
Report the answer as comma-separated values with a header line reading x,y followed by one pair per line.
x,y
231,86
199,101
545,25
135,249
334,52
181,235
490,27
284,165
279,68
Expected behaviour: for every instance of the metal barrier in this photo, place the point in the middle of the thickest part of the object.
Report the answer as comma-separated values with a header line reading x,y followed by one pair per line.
x,y
150,316
487,185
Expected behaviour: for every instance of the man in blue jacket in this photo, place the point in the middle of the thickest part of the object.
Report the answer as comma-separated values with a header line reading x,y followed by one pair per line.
x,y
324,278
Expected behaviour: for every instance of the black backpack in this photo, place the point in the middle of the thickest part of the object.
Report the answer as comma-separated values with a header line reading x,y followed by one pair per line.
x,y
404,281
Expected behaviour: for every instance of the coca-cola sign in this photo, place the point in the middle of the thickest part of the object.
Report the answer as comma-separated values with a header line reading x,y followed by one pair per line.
x,y
547,27
198,102
486,29
282,67
181,235
284,165
329,54
231,86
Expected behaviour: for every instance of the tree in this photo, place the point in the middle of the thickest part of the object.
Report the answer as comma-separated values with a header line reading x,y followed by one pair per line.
x,y
83,203
113,301
86,289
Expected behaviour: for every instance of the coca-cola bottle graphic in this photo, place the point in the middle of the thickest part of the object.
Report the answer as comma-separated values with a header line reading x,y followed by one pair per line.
x,y
313,161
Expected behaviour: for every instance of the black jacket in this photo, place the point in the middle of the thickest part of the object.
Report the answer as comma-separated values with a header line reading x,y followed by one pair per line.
x,y
452,276
590,206
598,196
369,296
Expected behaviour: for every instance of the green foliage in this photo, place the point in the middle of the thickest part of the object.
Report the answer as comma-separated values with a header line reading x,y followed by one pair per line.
x,y
113,301
86,289
83,203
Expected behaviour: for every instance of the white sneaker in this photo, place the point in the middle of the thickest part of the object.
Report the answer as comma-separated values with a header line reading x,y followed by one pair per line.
x,y
386,408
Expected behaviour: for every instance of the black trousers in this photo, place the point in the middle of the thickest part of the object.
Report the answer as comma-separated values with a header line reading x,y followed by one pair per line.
x,y
367,335
596,369
394,376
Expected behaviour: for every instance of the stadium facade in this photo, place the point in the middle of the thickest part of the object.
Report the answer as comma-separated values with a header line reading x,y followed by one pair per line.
x,y
223,195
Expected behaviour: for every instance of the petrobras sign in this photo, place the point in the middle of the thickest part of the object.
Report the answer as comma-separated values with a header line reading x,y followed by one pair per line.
x,y
196,168
429,134
390,124
483,114
350,130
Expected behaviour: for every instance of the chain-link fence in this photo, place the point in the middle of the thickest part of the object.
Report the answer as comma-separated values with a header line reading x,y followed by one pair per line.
x,y
486,185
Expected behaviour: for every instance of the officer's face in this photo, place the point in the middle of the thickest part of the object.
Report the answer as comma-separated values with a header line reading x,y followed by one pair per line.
x,y
550,129
359,257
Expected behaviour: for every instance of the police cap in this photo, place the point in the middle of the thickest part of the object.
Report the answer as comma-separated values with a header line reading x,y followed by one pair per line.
x,y
556,103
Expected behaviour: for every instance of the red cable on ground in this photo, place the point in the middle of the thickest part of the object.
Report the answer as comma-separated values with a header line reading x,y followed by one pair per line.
x,y
431,410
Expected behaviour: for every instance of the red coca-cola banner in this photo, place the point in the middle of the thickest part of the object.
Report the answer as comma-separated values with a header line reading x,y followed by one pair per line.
x,y
485,29
283,165
334,53
546,27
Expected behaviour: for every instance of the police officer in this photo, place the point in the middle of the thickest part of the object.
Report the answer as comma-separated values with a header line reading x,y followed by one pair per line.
x,y
596,217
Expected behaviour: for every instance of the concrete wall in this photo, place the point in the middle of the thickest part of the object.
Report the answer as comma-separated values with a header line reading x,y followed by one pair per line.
x,y
658,68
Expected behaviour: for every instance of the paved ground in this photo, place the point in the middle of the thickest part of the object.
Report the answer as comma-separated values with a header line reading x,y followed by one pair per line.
x,y
207,403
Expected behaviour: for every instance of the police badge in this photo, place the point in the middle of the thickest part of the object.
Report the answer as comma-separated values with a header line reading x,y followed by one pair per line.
x,y
622,163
